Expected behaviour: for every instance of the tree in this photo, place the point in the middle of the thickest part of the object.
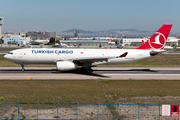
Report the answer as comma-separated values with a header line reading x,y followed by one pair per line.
x,y
52,40
57,41
9,42
1,41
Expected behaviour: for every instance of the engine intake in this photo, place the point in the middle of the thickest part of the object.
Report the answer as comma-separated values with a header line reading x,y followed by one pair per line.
x,y
66,65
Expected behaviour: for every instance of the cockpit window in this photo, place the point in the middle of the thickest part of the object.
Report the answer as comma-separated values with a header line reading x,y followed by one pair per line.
x,y
10,53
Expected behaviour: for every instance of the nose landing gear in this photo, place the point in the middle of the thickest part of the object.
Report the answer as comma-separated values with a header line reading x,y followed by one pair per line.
x,y
22,68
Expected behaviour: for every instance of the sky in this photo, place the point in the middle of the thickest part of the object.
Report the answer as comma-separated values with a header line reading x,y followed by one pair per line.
x,y
93,15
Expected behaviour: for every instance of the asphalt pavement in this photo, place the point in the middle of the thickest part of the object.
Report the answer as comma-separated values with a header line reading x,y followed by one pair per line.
x,y
116,73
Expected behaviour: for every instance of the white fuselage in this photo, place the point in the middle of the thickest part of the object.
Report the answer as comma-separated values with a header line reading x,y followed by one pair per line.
x,y
52,55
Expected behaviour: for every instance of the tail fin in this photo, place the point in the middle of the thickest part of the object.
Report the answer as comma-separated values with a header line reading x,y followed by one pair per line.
x,y
158,40
110,40
143,42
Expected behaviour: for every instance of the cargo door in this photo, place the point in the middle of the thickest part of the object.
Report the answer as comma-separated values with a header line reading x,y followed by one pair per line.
x,y
25,55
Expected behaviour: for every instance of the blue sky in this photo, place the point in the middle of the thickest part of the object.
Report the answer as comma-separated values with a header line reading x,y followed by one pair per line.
x,y
94,15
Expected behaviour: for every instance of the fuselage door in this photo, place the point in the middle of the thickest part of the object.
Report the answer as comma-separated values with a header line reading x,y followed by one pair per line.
x,y
24,55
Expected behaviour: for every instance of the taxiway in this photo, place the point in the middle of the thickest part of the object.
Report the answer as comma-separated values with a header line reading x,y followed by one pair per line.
x,y
116,73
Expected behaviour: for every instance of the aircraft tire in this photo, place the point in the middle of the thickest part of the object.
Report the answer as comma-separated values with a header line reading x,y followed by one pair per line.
x,y
22,69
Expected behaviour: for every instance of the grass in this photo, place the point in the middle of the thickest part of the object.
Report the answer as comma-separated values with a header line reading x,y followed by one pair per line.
x,y
168,60
176,50
91,91
95,91
159,60
8,49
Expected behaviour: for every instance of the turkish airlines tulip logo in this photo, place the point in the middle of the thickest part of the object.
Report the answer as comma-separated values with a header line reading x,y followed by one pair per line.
x,y
157,41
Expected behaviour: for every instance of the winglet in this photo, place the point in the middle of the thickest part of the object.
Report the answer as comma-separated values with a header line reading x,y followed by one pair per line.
x,y
124,54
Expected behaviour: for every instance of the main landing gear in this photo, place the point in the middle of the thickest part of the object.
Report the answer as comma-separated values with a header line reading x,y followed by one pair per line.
x,y
22,68
87,70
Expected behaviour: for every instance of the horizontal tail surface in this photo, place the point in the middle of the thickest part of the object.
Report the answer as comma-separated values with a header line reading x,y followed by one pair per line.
x,y
158,40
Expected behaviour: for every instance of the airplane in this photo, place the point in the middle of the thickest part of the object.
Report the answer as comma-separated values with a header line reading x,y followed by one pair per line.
x,y
40,41
143,42
70,59
111,43
62,44
168,47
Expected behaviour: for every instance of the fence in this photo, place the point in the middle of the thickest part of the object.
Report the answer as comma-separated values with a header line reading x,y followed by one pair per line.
x,y
81,111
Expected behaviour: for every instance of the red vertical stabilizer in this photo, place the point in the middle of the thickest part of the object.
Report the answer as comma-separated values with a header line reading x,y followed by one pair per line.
x,y
158,40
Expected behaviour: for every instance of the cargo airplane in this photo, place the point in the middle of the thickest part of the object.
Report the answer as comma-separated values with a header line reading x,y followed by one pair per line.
x,y
70,59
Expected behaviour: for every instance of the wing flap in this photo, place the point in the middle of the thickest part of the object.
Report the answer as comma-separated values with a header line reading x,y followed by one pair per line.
x,y
97,59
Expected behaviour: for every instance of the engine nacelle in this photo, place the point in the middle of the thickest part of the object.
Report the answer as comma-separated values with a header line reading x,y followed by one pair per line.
x,y
66,65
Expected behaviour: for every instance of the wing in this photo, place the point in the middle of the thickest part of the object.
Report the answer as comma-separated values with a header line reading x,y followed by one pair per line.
x,y
97,59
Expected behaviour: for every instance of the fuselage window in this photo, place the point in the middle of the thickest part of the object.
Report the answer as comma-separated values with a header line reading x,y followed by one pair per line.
x,y
10,53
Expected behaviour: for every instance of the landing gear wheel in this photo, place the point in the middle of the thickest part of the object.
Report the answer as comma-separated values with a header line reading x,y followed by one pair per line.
x,y
90,71
22,68
84,70
87,70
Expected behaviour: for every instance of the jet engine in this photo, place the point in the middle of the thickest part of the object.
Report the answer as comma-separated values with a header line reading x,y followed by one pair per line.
x,y
66,65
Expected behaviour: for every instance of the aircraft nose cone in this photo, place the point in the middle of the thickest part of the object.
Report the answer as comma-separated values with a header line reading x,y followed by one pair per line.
x,y
6,56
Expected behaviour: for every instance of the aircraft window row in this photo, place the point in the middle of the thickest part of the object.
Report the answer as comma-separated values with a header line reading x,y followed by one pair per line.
x,y
10,53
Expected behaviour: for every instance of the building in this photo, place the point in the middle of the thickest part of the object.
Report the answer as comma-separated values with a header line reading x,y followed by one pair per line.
x,y
1,22
133,41
42,35
171,41
36,34
8,34
16,39
85,42
49,34
76,33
